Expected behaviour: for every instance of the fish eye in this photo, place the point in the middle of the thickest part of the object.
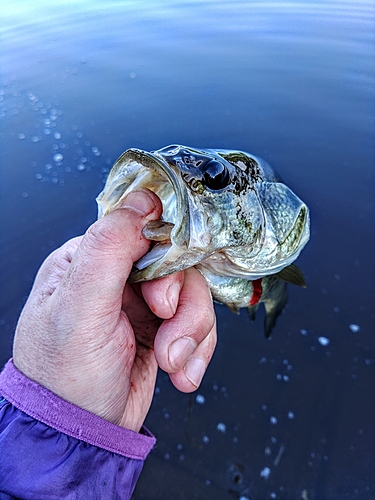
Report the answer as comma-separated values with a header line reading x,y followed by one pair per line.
x,y
216,175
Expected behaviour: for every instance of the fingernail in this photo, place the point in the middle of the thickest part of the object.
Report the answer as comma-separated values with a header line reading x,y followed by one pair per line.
x,y
139,201
180,350
173,294
194,370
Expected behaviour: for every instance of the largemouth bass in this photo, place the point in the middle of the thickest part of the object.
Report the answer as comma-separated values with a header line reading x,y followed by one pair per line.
x,y
225,212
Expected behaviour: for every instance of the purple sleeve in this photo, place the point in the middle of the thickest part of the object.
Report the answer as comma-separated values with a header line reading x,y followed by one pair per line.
x,y
50,448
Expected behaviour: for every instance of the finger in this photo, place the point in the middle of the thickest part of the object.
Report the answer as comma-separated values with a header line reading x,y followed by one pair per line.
x,y
104,259
162,295
179,337
189,378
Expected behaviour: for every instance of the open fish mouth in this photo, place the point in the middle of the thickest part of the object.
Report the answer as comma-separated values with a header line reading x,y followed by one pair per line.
x,y
136,169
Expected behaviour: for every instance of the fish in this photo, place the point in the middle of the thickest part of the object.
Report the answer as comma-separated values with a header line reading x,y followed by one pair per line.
x,y
226,213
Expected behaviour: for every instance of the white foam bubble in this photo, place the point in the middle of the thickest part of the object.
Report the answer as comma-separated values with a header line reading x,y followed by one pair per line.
x,y
265,472
354,328
58,157
323,341
200,399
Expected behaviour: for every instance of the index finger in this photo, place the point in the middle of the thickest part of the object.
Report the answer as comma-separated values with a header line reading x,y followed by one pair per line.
x,y
185,343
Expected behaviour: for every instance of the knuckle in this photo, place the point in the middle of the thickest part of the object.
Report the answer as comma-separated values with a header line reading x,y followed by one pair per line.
x,y
103,234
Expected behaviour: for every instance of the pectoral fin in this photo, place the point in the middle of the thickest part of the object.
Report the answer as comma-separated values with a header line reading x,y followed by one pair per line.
x,y
293,275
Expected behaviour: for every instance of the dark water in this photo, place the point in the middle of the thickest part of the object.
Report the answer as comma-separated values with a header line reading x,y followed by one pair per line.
x,y
289,418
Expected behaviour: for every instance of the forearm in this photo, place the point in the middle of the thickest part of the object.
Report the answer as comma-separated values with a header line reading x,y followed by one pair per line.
x,y
53,449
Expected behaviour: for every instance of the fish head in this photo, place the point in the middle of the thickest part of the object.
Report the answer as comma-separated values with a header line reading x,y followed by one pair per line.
x,y
229,211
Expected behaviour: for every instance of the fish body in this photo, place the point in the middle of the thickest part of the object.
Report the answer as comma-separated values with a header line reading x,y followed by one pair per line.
x,y
225,212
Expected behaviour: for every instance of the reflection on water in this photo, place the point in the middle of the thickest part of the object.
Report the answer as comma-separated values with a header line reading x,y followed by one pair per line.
x,y
290,82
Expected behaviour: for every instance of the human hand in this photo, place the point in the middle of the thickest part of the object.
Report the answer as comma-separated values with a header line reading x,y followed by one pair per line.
x,y
96,340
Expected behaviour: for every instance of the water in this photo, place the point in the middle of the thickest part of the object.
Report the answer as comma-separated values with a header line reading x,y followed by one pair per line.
x,y
291,82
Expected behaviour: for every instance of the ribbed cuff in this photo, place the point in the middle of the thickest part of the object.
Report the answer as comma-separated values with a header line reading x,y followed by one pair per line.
x,y
45,406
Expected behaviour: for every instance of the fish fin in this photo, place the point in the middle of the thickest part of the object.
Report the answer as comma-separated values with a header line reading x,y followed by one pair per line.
x,y
274,308
251,311
293,275
233,307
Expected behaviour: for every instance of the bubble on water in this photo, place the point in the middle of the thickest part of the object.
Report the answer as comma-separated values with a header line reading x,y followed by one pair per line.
x,y
57,135
79,135
323,341
47,131
354,328
200,399
54,180
48,167
32,97
265,472
303,331
38,176
273,495
21,136
96,151
58,157
336,309
291,415
36,138
221,427
157,390
81,167
264,407
167,456
25,195
273,420
166,416
286,378
279,376
205,439
242,497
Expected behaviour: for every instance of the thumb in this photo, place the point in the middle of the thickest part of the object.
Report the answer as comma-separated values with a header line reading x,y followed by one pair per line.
x,y
105,256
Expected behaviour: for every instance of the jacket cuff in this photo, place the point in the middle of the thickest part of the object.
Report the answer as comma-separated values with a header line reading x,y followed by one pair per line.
x,y
45,406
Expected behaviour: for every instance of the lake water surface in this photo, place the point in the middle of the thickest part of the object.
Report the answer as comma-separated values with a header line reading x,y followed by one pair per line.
x,y
291,82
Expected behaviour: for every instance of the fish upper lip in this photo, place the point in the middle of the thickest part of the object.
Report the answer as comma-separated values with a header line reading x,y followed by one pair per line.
x,y
152,161
180,216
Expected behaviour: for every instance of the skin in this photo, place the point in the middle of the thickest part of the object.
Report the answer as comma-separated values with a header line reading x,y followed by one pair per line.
x,y
96,340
